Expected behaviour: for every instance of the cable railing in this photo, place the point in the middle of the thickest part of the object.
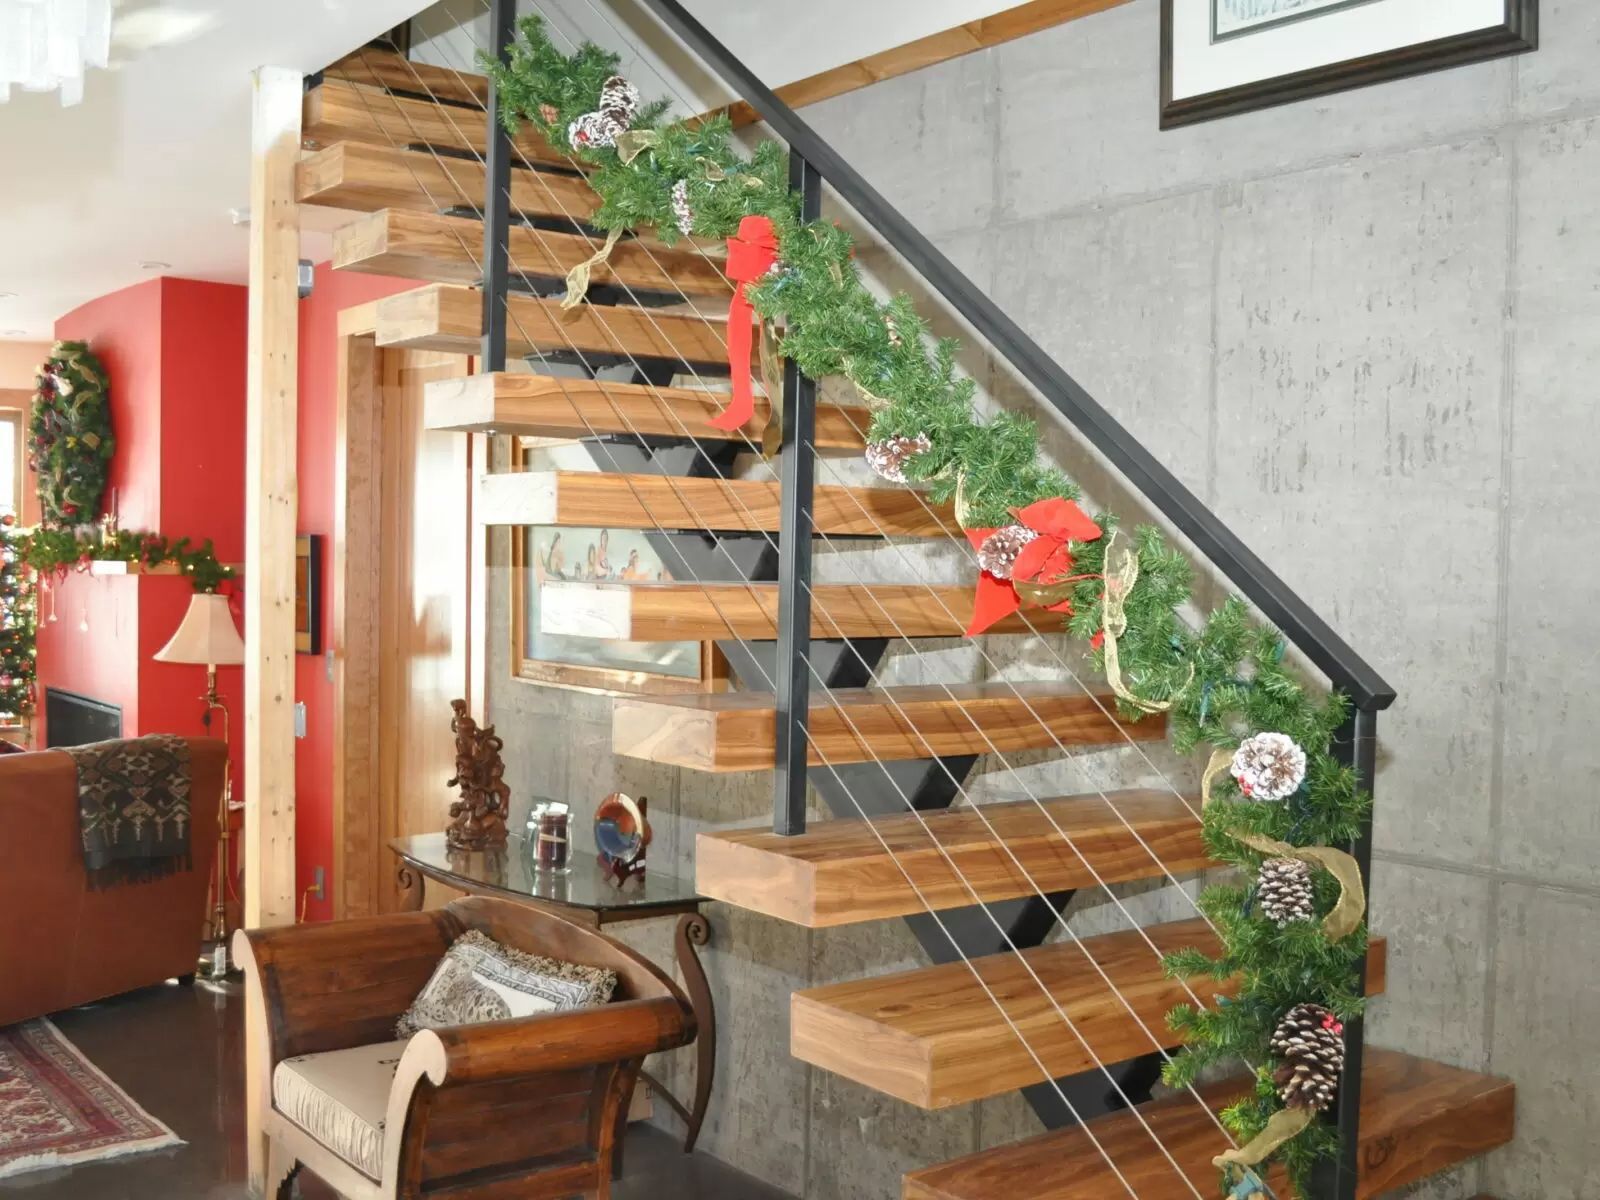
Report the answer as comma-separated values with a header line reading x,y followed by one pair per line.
x,y
794,672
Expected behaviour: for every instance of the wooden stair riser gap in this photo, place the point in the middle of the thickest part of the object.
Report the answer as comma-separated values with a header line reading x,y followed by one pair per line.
x,y
359,177
839,873
659,502
1417,1118
338,111
935,1037
736,732
390,69
545,406
673,612
450,320
441,249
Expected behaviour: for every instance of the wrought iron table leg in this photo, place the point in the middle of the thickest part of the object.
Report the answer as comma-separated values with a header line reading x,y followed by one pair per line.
x,y
694,930
412,885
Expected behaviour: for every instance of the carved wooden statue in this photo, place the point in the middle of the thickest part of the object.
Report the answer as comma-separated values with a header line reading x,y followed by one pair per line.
x,y
478,818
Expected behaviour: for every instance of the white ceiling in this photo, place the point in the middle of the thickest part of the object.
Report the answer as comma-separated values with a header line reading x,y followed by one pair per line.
x,y
147,168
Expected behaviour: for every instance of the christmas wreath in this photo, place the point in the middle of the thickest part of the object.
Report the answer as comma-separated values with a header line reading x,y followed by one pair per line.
x,y
1276,800
69,437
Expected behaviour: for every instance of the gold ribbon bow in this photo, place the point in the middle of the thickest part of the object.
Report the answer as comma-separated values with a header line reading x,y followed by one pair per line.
x,y
1121,573
1285,1124
578,277
1346,916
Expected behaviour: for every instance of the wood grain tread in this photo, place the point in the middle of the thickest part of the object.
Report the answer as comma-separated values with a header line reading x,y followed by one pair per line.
x,y
588,498
1417,1118
442,249
450,319
391,69
360,177
736,731
935,1036
337,110
654,612
842,872
546,406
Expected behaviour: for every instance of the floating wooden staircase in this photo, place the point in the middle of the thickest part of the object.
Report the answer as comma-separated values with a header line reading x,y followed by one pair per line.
x,y
397,145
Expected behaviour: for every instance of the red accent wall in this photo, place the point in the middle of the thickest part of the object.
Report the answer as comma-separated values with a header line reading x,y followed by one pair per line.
x,y
174,350
331,292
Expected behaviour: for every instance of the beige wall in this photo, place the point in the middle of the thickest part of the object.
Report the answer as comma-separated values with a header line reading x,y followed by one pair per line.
x,y
19,361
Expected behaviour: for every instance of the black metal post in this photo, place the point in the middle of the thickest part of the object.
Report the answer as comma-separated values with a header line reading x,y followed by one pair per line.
x,y
799,459
1355,745
497,201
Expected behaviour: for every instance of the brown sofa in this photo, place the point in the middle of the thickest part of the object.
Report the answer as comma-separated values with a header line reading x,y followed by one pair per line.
x,y
62,944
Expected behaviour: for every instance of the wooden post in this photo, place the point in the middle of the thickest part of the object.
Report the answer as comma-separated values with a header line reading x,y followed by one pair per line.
x,y
270,515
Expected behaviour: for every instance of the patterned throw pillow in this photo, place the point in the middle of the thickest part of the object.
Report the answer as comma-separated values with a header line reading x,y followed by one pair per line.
x,y
480,980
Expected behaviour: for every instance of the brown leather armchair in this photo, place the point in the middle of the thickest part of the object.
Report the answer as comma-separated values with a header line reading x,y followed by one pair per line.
x,y
61,943
528,1108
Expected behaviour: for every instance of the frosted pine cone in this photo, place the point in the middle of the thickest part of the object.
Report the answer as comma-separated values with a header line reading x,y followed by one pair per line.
x,y
1000,549
680,207
594,129
1285,891
889,457
1269,766
1309,1041
619,99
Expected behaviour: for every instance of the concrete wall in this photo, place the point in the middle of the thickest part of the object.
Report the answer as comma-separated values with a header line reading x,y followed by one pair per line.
x,y
1360,327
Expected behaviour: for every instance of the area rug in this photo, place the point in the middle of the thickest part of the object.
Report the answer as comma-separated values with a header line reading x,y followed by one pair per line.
x,y
58,1109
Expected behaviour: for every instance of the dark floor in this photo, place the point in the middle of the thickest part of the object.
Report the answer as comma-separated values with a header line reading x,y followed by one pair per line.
x,y
176,1051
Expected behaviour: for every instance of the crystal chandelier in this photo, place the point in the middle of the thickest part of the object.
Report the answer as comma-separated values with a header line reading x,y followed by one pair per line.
x,y
49,44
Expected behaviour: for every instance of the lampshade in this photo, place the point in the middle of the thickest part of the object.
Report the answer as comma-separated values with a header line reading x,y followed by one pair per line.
x,y
207,635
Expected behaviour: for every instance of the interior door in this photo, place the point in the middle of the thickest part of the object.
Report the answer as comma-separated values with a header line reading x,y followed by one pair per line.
x,y
425,600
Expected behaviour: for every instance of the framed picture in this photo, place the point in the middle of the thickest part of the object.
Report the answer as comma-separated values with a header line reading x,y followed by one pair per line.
x,y
308,594
569,603
1222,57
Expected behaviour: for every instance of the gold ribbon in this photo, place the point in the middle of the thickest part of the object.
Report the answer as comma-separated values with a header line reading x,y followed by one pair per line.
x,y
635,142
1046,594
1120,577
1346,916
1286,1123
772,382
1215,767
578,277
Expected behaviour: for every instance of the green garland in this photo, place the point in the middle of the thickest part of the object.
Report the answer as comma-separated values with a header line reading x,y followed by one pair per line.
x,y
70,443
1224,682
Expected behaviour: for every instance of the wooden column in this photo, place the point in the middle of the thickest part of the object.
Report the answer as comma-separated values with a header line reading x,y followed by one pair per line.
x,y
270,515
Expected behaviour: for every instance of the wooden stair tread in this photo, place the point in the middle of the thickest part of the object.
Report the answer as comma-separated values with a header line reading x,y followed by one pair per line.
x,y
589,498
391,69
444,249
450,319
736,731
361,177
935,1037
664,612
841,872
1417,1118
337,110
545,406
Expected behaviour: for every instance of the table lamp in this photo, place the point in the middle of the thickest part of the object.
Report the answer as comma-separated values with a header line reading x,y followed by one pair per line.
x,y
208,636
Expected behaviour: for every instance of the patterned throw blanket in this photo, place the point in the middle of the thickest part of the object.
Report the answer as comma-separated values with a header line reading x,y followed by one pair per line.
x,y
133,809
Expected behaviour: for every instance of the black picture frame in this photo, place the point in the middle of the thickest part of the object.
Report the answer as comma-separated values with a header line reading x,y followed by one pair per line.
x,y
308,594
1517,34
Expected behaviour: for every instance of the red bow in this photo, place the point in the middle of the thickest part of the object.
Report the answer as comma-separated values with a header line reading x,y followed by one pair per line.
x,y
1045,561
751,253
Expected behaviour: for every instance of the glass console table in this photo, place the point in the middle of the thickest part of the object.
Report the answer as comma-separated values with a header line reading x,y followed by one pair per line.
x,y
585,895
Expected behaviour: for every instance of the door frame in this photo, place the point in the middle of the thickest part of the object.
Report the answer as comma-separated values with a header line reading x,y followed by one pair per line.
x,y
364,877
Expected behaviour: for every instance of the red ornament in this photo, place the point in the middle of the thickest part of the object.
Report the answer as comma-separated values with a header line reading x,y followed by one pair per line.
x,y
1045,561
751,254
8,520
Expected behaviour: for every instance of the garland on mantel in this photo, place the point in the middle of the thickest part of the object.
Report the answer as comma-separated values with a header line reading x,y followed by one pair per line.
x,y
1275,799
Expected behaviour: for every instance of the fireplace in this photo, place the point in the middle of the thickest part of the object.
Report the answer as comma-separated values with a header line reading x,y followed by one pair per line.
x,y
74,720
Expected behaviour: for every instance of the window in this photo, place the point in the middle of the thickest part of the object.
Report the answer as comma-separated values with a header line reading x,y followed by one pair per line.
x,y
10,460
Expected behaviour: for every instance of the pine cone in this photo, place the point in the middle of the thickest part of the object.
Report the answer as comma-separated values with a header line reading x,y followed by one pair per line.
x,y
594,129
889,457
620,98
1269,766
1310,1042
1285,891
680,207
1000,549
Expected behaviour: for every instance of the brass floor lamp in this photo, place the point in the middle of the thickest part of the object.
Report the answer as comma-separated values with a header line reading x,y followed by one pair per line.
x,y
208,637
